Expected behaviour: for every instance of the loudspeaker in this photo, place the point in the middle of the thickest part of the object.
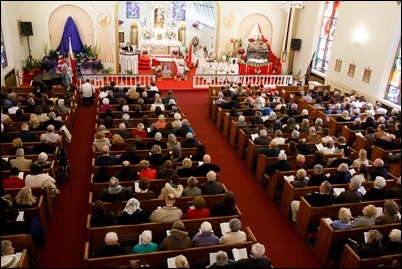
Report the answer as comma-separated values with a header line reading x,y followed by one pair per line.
x,y
26,28
295,44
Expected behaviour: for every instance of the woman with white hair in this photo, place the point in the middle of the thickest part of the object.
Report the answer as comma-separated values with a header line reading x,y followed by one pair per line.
x,y
9,259
257,258
132,213
42,160
112,246
61,107
145,244
377,192
343,223
206,236
392,244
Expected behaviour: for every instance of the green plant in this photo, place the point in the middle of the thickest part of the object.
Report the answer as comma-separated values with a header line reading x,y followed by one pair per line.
x,y
53,54
88,51
98,66
42,64
108,70
129,72
29,64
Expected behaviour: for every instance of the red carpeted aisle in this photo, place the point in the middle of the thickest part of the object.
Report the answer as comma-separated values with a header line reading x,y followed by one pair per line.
x,y
66,235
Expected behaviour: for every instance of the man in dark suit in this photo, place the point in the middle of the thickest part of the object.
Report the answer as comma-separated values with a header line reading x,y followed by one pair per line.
x,y
105,159
257,258
43,147
378,169
207,166
127,174
322,198
25,134
128,47
211,186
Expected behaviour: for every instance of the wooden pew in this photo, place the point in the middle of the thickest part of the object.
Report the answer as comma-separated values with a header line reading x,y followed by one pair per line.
x,y
155,185
38,211
395,169
380,153
196,256
150,205
51,170
310,216
25,241
291,193
38,192
363,143
329,239
186,152
350,259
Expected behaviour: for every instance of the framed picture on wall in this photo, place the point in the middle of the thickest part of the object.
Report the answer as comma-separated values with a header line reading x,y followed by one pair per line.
x,y
132,9
167,69
338,65
121,37
351,71
367,75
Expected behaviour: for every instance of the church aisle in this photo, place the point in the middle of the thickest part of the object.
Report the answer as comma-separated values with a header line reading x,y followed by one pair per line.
x,y
66,235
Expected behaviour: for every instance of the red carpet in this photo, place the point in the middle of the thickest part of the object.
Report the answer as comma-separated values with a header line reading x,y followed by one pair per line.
x,y
67,232
66,235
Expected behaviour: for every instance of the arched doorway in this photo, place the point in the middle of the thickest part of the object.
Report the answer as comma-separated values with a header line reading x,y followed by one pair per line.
x,y
58,19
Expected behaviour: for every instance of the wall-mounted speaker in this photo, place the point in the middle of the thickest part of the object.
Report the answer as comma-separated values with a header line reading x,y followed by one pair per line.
x,y
26,28
295,44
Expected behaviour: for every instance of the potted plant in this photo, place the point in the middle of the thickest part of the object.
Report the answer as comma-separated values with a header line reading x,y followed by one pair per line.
x,y
107,71
98,66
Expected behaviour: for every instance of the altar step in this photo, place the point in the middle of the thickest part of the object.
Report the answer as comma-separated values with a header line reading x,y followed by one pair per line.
x,y
143,63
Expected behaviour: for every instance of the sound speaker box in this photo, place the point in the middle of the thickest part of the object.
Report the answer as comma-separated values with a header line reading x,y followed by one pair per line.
x,y
295,44
26,28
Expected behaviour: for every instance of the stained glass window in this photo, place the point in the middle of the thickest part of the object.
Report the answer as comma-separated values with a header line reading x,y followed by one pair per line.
x,y
326,35
3,53
393,92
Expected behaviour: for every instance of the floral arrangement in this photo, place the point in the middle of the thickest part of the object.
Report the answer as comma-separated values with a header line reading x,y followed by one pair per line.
x,y
251,39
147,34
240,51
120,22
243,57
171,34
195,24
175,52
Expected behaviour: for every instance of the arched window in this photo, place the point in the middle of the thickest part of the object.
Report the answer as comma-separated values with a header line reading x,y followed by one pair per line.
x,y
3,52
393,91
205,13
328,26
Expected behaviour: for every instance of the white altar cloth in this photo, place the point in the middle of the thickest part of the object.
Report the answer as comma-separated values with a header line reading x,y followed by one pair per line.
x,y
158,42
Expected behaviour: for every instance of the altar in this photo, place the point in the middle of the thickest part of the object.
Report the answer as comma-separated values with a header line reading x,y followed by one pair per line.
x,y
159,46
128,63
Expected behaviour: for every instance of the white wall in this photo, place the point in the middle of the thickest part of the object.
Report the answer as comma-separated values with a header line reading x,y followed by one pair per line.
x,y
379,24
378,21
